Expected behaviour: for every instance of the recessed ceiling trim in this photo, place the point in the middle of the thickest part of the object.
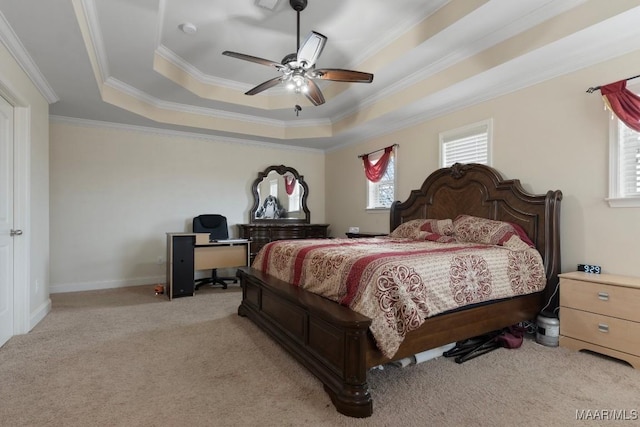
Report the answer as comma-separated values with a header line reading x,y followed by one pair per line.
x,y
184,108
118,93
177,133
536,67
129,98
15,47
419,16
171,66
399,100
476,42
173,58
87,10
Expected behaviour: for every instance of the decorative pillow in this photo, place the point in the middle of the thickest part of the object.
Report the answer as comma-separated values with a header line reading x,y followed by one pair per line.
x,y
474,229
443,227
435,237
424,229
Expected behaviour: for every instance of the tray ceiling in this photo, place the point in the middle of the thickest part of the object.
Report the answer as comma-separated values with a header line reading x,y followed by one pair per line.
x,y
130,61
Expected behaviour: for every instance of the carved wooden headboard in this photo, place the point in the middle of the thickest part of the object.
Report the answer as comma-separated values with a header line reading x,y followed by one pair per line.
x,y
480,190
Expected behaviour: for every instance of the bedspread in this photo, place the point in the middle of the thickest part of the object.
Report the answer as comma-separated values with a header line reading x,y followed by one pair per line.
x,y
398,282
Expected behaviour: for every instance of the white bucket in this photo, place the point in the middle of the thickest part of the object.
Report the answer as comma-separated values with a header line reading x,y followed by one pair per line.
x,y
548,331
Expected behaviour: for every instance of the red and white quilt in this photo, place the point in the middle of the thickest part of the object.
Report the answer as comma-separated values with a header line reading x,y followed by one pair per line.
x,y
399,282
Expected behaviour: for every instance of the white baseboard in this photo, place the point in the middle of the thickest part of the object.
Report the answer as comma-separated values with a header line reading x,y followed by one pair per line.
x,y
39,313
106,284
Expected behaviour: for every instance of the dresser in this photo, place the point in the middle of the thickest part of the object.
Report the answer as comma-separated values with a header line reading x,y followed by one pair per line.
x,y
364,235
601,313
262,233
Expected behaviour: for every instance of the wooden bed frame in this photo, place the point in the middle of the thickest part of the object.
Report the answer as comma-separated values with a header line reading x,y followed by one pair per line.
x,y
334,343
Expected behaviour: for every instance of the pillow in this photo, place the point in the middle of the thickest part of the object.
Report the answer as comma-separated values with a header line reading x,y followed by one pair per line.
x,y
420,229
443,227
435,237
473,229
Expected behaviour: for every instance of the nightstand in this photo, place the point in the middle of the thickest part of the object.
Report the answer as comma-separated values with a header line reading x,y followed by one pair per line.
x,y
364,234
601,313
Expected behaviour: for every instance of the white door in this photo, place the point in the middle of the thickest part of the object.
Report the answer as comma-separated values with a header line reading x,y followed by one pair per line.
x,y
6,221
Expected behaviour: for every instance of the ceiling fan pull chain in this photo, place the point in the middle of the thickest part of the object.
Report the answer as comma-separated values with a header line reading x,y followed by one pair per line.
x,y
298,43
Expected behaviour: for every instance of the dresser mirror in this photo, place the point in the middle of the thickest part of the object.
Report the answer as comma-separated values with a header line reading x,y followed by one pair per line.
x,y
279,195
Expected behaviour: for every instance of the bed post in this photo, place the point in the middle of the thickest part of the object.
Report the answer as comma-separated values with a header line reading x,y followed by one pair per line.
x,y
552,252
330,340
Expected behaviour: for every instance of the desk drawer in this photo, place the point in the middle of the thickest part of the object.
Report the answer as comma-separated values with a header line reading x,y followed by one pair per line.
x,y
209,257
610,332
616,301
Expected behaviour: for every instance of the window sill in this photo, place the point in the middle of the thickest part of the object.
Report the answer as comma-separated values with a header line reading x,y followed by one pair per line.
x,y
377,210
624,202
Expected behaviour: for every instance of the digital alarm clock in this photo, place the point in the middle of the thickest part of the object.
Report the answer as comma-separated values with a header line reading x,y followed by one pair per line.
x,y
588,268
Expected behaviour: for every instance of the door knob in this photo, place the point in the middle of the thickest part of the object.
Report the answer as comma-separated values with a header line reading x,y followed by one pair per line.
x,y
15,233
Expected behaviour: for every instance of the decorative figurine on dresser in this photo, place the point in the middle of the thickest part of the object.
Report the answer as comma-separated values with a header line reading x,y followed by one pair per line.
x,y
279,210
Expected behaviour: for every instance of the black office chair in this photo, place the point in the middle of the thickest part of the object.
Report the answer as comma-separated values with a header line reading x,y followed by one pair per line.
x,y
216,226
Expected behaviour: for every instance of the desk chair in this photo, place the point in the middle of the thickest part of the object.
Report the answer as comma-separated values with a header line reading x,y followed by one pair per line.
x,y
216,226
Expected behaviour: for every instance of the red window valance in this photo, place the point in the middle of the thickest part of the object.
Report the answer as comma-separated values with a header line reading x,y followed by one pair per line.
x,y
290,184
623,103
375,171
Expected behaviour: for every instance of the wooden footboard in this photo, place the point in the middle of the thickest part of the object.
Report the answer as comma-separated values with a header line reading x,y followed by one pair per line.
x,y
328,339
334,344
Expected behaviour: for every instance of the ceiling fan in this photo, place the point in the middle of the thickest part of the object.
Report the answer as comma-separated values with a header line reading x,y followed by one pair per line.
x,y
298,69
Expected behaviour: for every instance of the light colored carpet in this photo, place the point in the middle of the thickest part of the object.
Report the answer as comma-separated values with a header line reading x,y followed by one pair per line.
x,y
126,357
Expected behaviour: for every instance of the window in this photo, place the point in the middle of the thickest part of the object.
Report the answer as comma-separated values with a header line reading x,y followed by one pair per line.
x,y
273,188
294,199
468,144
381,194
624,165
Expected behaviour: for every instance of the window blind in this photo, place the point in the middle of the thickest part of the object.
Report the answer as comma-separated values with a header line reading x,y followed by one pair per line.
x,y
466,149
629,161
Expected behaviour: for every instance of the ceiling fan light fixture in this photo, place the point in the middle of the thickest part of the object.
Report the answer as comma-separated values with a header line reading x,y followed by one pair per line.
x,y
298,80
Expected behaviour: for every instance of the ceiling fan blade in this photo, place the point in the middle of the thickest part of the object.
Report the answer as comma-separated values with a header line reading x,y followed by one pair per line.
x,y
311,49
314,94
339,75
255,59
264,86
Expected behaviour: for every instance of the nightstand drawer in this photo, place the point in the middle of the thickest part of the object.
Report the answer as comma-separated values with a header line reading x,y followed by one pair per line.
x,y
610,300
604,331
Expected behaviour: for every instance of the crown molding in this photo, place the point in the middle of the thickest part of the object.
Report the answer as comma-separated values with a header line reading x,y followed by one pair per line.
x,y
477,44
95,34
191,109
15,47
536,67
422,13
176,133
198,75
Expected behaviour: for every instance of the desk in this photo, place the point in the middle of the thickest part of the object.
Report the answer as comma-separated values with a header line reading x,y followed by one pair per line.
x,y
188,252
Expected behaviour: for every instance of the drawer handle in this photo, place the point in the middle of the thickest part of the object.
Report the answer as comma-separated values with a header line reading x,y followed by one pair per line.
x,y
603,328
603,296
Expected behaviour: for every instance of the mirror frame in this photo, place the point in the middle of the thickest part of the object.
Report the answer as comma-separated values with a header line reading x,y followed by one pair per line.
x,y
281,170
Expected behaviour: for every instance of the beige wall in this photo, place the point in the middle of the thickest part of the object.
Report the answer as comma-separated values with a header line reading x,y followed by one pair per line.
x,y
31,195
550,136
115,192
